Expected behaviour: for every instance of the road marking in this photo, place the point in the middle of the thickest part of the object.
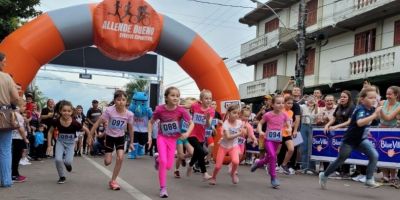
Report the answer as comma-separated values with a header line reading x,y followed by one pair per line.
x,y
135,193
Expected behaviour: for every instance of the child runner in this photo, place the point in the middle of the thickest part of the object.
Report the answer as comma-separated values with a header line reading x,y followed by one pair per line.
x,y
67,128
19,142
232,130
79,117
182,145
276,120
287,136
117,118
356,137
170,115
202,116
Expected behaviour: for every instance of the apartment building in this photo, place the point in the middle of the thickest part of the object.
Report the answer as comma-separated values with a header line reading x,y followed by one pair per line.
x,y
347,42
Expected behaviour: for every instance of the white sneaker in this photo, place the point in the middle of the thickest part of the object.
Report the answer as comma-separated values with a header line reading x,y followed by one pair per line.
x,y
357,178
27,161
363,179
371,183
279,169
292,171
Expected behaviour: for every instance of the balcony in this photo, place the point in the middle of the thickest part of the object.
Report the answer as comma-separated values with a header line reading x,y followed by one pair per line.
x,y
381,62
262,87
269,43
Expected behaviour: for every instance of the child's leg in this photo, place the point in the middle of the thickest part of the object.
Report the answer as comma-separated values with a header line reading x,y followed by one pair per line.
x,y
180,156
220,159
344,153
17,147
59,158
162,160
171,144
69,153
289,152
270,148
368,149
118,164
234,154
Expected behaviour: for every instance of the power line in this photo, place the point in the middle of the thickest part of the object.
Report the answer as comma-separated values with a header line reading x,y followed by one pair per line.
x,y
221,4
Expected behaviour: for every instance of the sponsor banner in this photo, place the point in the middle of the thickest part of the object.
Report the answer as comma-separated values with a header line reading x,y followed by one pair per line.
x,y
226,104
325,147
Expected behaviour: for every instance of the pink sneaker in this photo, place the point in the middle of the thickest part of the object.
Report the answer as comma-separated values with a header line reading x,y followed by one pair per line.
x,y
212,181
19,179
114,185
235,179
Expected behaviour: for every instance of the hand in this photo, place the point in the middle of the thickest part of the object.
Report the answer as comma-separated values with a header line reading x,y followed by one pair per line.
x,y
255,143
26,141
378,110
184,136
149,141
49,149
326,129
332,128
208,116
131,147
262,134
294,134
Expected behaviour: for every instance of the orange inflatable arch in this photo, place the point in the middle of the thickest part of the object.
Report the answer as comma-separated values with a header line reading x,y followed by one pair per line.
x,y
122,30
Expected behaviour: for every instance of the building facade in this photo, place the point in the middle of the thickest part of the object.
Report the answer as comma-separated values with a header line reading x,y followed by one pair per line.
x,y
347,41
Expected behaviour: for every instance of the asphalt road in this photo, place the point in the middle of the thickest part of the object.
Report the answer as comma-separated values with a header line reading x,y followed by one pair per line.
x,y
139,180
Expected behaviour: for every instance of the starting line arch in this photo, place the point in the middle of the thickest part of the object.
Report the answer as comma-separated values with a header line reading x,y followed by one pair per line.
x,y
122,30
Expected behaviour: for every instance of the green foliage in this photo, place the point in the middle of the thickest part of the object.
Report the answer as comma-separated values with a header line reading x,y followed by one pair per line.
x,y
136,86
38,96
14,13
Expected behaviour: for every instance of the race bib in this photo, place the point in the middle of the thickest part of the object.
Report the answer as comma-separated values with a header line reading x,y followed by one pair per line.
x,y
214,122
15,134
184,126
199,119
274,135
209,132
116,123
169,128
233,131
67,138
241,140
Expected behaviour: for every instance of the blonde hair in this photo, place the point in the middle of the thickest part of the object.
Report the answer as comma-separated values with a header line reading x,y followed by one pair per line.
x,y
204,92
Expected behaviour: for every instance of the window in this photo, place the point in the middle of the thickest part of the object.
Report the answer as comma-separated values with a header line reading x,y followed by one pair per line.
x,y
364,42
311,9
397,33
309,70
271,25
269,69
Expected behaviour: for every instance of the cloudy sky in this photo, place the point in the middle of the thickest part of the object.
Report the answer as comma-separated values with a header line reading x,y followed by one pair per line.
x,y
218,25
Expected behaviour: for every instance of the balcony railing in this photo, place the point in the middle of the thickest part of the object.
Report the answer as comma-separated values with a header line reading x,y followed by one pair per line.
x,y
265,42
359,4
262,87
380,62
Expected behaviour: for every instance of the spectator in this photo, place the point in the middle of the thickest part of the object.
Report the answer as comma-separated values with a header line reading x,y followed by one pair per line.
x,y
318,98
8,96
92,116
46,117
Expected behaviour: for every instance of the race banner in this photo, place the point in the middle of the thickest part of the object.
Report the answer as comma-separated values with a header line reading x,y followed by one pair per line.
x,y
325,147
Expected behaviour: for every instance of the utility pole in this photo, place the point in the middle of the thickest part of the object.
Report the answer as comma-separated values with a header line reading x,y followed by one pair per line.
x,y
301,49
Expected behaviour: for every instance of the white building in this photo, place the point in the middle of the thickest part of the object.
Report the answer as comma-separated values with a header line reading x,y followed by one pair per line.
x,y
362,39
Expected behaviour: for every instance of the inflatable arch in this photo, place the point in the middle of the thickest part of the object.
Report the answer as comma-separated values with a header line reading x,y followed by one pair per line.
x,y
122,30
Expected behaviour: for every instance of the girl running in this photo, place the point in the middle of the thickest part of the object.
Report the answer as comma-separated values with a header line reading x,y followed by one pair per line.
x,y
170,115
287,136
117,119
182,145
67,128
202,116
276,120
232,130
356,137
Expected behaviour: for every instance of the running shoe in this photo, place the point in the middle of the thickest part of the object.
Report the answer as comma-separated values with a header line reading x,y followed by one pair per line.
x,y
206,177
212,181
61,180
254,166
163,192
176,174
285,169
275,183
371,183
322,180
19,179
114,185
68,167
235,179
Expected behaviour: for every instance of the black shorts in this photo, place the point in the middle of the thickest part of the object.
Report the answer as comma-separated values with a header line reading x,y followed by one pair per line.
x,y
141,138
284,139
111,142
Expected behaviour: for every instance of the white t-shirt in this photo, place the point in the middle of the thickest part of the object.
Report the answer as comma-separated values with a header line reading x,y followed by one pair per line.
x,y
232,129
21,123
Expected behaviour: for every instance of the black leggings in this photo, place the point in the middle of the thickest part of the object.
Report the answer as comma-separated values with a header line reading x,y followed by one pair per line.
x,y
198,154
17,148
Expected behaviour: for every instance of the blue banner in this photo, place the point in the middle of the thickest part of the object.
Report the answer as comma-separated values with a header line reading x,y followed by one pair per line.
x,y
325,147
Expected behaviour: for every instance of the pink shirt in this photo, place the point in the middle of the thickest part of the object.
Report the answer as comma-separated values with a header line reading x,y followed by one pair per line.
x,y
199,121
170,120
117,122
275,121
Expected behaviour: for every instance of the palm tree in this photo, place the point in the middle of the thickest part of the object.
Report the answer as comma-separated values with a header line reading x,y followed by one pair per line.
x,y
38,97
136,86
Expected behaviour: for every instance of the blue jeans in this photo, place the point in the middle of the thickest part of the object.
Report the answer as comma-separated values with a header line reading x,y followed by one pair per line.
x,y
62,148
365,147
5,158
306,133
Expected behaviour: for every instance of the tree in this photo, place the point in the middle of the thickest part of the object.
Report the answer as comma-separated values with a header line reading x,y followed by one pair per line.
x,y
136,86
38,96
14,13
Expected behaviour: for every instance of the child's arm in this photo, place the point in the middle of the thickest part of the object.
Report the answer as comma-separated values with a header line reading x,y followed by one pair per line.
x,y
49,137
95,126
150,131
259,127
189,130
21,132
228,136
131,136
365,121
344,124
331,121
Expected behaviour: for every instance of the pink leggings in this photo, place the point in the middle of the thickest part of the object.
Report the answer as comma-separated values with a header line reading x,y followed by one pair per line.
x,y
166,155
270,157
233,153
